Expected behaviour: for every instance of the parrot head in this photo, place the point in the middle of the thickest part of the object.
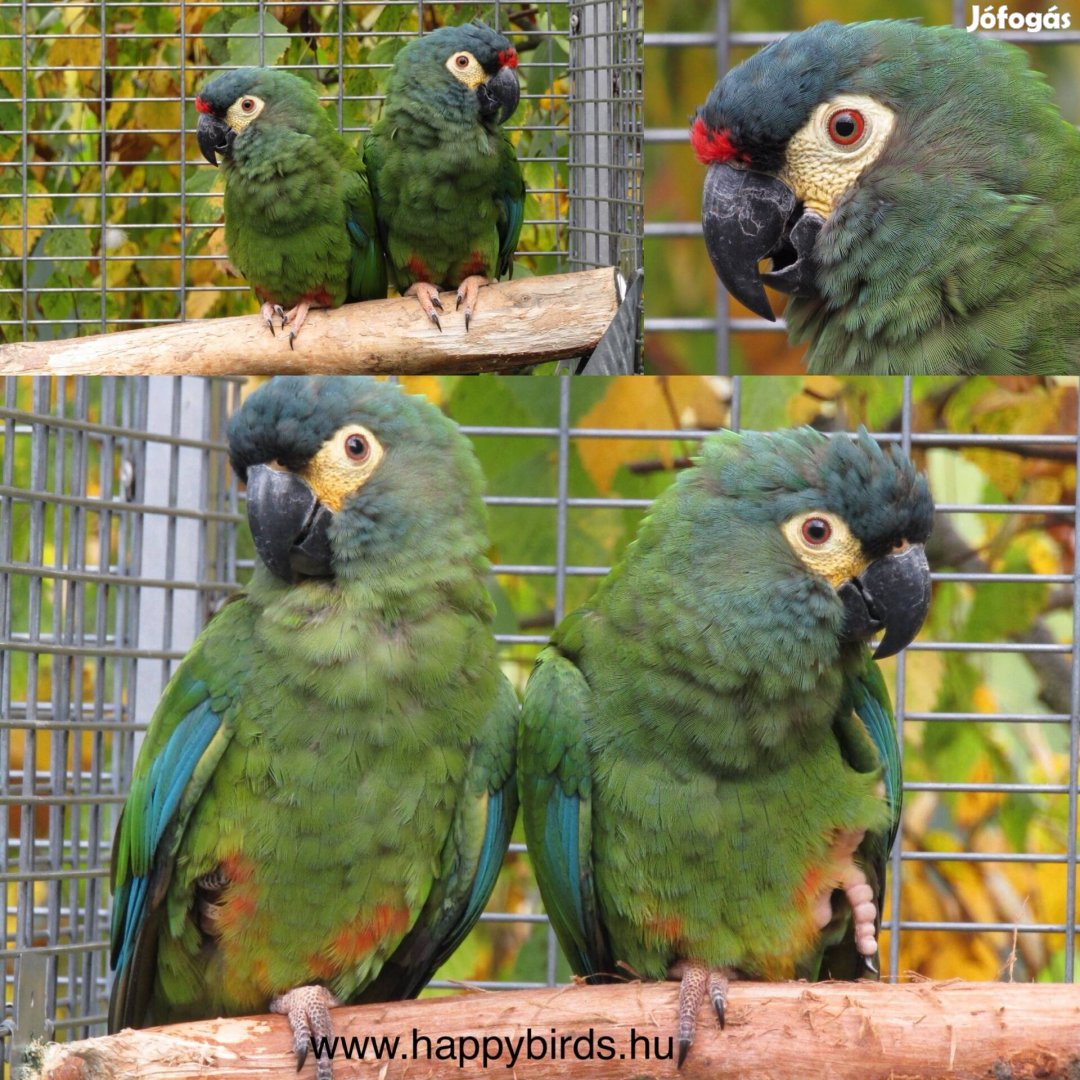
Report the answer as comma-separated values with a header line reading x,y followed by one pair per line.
x,y
849,514
813,145
463,70
347,475
240,103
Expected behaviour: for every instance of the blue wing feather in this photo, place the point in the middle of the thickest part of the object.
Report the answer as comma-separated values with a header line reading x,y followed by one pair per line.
x,y
160,792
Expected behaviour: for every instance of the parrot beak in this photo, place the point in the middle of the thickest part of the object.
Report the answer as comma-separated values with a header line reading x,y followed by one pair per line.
x,y
749,216
499,96
215,137
891,594
289,524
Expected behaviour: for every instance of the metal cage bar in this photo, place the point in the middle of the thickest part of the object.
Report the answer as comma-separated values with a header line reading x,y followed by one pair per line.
x,y
119,538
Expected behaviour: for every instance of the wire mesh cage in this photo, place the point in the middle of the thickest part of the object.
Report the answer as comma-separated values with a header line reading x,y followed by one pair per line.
x,y
692,325
109,217
121,531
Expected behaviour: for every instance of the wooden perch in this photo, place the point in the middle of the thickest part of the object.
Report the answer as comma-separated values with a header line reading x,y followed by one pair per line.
x,y
528,321
842,1031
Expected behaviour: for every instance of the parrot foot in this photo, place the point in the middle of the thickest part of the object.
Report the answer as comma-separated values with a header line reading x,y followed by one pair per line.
x,y
428,298
859,893
268,311
308,1011
296,317
696,979
467,293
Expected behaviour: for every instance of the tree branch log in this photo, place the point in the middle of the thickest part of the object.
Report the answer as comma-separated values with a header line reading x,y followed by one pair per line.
x,y
528,321
843,1031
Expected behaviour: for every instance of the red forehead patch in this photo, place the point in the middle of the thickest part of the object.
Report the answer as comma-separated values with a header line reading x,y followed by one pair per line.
x,y
508,58
203,106
713,146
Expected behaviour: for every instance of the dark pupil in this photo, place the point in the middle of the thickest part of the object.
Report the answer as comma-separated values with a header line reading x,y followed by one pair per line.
x,y
355,446
816,530
845,126
462,61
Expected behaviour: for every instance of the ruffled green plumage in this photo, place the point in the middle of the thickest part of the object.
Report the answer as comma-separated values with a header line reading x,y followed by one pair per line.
x,y
345,821
695,737
299,216
448,189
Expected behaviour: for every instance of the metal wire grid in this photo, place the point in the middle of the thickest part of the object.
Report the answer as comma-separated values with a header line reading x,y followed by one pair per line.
x,y
116,543
717,35
607,205
594,219
120,540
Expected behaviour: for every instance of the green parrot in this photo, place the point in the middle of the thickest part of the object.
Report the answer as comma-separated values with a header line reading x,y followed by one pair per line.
x,y
299,217
326,789
449,195
708,766
917,193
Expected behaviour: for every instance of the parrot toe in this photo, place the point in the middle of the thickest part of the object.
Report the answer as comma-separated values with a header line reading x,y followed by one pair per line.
x,y
296,318
859,893
467,293
428,298
268,311
718,991
695,980
307,1009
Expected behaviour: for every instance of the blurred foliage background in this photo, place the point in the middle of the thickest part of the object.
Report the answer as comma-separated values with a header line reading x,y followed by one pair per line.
x,y
978,714
108,195
678,78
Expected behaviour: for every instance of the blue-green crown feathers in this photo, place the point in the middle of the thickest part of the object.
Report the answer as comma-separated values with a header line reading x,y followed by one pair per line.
x,y
421,82
271,84
922,71
439,45
289,418
775,475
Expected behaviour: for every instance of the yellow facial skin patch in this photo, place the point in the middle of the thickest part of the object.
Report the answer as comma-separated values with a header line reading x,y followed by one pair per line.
x,y
837,559
819,168
466,68
341,467
242,111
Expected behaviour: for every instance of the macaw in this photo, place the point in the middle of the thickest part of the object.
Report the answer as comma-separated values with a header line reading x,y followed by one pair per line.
x,y
709,773
326,789
449,194
299,216
917,193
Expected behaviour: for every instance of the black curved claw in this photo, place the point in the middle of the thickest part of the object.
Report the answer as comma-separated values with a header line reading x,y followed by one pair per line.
x,y
684,1049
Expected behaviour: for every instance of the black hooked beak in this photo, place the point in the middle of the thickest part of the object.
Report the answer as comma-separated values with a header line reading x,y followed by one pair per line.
x,y
215,137
891,594
749,216
289,524
499,96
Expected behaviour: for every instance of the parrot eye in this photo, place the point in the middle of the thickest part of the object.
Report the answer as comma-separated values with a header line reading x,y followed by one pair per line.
x,y
846,127
357,448
816,531
247,104
462,60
